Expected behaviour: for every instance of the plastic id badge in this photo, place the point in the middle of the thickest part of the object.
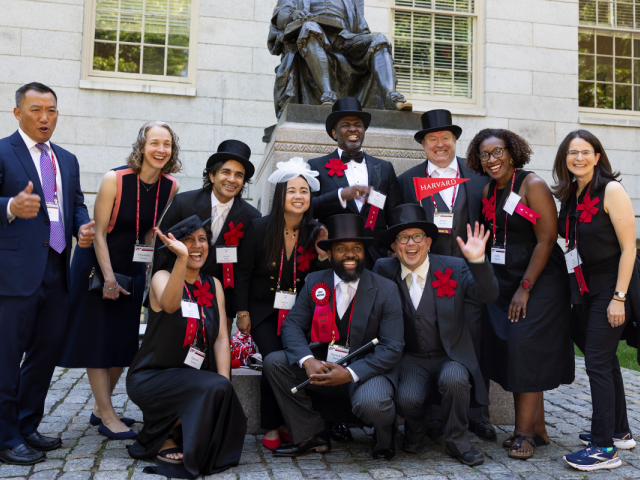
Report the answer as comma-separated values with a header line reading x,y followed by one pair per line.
x,y
498,255
53,211
194,358
284,300
377,199
226,254
190,309
143,253
444,222
572,257
336,353
511,203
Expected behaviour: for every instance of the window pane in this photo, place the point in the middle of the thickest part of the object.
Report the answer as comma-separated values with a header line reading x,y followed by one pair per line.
x,y
604,95
623,97
636,72
587,12
636,101
462,60
624,16
604,69
623,70
402,21
179,32
155,30
442,83
130,28
446,5
422,54
423,3
178,62
157,7
129,59
404,79
402,52
585,67
111,5
604,45
636,48
422,81
586,42
623,46
153,63
585,94
106,26
463,6
131,6
463,30
404,3
604,14
180,8
462,84
104,57
444,28
443,56
421,26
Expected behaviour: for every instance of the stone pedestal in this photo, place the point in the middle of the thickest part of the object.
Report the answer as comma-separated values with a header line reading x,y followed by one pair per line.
x,y
247,385
501,410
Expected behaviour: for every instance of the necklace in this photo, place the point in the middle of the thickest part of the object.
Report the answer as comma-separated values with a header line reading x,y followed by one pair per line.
x,y
286,232
144,185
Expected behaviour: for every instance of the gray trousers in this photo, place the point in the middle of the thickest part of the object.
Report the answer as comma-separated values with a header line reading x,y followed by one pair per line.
x,y
419,375
371,400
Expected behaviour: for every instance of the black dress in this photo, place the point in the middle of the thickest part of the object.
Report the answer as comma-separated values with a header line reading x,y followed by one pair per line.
x,y
535,353
213,424
104,333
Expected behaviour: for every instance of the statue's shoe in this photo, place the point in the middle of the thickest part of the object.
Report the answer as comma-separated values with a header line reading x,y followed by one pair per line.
x,y
396,101
329,98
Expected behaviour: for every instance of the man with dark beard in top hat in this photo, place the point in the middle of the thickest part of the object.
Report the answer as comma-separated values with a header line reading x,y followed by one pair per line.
x,y
358,306
224,180
348,176
438,137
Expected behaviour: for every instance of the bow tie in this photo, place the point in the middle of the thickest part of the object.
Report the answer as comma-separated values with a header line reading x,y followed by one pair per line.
x,y
346,157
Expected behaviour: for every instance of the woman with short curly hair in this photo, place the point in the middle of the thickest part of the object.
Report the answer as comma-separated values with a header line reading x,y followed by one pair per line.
x,y
103,326
527,346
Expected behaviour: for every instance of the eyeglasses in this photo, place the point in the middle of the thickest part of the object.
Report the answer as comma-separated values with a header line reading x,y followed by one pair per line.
x,y
497,152
585,153
417,238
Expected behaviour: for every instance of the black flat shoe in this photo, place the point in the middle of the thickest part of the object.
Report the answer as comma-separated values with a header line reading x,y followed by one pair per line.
x,y
116,436
472,458
435,429
95,420
384,453
341,433
413,448
320,443
22,454
484,430
41,443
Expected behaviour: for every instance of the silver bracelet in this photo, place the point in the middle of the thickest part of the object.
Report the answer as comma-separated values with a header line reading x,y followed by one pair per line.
x,y
107,288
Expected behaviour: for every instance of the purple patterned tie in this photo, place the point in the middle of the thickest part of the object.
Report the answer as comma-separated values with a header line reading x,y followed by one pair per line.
x,y
56,237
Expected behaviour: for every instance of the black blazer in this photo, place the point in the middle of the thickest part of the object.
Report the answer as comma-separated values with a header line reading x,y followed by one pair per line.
x,y
382,177
473,189
377,314
24,244
475,281
255,279
198,202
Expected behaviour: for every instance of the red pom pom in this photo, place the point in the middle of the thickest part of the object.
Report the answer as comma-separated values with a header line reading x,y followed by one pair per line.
x,y
235,363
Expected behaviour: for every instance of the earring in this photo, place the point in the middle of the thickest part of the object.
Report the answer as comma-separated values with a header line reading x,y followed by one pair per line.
x,y
511,161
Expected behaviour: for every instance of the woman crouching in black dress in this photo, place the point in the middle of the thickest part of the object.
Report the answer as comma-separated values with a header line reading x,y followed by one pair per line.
x,y
193,421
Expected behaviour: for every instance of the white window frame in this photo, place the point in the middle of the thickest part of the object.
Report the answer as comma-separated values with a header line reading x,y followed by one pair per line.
x,y
137,82
457,105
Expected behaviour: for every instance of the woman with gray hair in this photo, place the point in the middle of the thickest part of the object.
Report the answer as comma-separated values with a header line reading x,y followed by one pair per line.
x,y
104,319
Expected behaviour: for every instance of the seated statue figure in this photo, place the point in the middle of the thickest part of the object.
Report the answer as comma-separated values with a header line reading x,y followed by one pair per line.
x,y
328,53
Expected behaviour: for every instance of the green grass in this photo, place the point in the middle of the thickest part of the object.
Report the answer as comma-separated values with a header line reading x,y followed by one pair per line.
x,y
628,356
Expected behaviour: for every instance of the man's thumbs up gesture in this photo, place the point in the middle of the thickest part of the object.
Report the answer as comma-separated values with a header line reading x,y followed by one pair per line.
x,y
25,204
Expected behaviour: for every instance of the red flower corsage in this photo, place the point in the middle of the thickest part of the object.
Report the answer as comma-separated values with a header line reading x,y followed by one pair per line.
x,y
320,294
444,284
202,294
304,260
588,208
489,208
233,236
336,166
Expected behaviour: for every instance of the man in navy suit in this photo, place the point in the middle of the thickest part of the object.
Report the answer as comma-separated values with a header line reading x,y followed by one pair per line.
x,y
41,206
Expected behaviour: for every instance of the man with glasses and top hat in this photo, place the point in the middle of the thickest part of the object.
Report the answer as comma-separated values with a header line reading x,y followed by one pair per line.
x,y
439,356
352,181
344,308
451,210
225,178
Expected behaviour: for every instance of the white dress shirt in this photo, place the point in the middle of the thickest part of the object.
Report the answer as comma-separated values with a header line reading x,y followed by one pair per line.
x,y
35,156
356,174
214,215
450,171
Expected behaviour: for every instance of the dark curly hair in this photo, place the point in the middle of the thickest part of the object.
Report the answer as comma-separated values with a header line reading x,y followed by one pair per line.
x,y
518,147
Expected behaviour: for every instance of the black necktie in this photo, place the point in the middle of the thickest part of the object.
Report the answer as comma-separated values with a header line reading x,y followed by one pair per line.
x,y
346,157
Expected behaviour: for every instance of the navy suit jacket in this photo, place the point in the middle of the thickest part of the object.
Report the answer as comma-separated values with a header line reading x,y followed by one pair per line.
x,y
24,244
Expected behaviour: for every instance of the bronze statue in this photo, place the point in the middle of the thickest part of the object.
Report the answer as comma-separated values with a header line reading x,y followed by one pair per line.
x,y
327,53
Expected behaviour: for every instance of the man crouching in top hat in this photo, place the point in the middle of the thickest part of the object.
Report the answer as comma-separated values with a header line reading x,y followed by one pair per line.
x,y
439,356
356,307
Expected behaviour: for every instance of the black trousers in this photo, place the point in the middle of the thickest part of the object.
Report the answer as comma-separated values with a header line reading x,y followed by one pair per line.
x,y
598,341
34,326
266,337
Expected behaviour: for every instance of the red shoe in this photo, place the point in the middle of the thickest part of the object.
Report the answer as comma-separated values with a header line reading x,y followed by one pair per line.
x,y
270,444
284,436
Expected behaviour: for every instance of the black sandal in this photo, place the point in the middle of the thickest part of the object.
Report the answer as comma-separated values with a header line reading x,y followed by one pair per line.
x,y
517,444
539,439
162,459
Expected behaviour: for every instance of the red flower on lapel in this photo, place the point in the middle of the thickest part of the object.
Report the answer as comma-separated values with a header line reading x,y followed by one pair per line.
x,y
489,208
202,294
588,208
336,166
444,284
233,236
304,259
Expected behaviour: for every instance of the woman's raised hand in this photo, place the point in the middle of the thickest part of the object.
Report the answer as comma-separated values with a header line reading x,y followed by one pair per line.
x,y
176,246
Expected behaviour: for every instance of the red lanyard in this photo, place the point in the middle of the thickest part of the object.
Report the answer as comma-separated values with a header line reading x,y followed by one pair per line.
x,y
453,197
155,213
294,267
333,333
204,332
567,232
495,219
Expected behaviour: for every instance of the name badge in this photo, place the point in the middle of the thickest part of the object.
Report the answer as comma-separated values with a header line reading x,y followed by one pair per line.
x,y
194,358
336,353
444,222
189,309
511,203
143,253
572,257
498,255
53,211
377,199
284,300
226,254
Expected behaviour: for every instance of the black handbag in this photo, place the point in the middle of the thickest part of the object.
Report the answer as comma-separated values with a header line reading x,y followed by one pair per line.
x,y
96,283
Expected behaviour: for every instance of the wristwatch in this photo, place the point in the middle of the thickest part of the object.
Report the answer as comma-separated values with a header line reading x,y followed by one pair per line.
x,y
621,295
526,284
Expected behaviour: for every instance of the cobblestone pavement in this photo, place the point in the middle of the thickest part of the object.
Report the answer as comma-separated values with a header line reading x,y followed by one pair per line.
x,y
87,455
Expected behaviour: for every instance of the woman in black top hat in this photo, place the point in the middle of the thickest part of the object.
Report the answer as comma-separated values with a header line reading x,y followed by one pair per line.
x,y
527,347
277,253
601,228
193,420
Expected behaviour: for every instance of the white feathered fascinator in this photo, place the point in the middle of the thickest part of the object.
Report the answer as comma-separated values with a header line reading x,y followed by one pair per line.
x,y
295,167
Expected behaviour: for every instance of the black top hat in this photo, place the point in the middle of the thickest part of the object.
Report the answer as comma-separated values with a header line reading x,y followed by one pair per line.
x,y
186,227
346,107
437,121
233,150
408,216
345,228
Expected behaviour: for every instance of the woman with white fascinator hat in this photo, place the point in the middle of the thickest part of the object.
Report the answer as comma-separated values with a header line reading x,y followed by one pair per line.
x,y
266,282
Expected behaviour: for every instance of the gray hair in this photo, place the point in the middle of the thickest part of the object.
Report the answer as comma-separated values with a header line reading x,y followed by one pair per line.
x,y
136,157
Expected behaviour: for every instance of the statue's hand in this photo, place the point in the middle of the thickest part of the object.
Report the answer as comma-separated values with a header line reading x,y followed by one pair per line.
x,y
298,14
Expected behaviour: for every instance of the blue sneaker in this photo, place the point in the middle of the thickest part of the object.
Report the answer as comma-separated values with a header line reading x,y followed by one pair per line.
x,y
623,441
593,458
